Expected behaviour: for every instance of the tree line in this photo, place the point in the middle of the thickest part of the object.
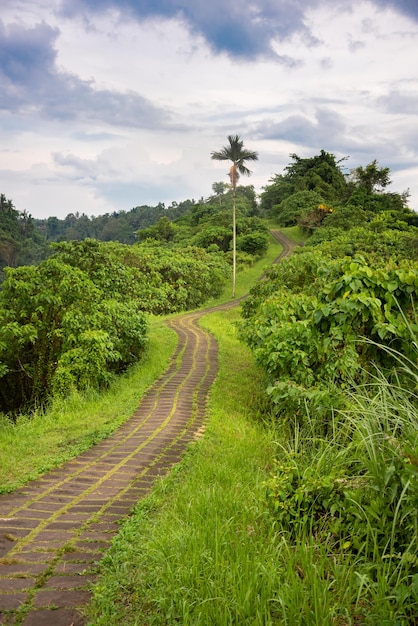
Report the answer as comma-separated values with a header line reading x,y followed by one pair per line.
x,y
25,240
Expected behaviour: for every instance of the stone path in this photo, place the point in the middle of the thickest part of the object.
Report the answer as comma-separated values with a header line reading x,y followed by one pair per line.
x,y
54,531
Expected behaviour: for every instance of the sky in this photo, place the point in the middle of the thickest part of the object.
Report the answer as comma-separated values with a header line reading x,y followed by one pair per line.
x,y
110,104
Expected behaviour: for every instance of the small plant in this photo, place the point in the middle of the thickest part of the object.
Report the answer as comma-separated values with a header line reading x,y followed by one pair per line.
x,y
302,500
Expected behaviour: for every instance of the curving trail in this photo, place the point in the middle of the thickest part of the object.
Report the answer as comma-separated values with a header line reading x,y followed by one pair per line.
x,y
54,530
288,244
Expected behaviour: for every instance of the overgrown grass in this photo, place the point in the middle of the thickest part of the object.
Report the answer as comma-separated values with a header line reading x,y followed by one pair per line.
x,y
201,551
347,503
68,426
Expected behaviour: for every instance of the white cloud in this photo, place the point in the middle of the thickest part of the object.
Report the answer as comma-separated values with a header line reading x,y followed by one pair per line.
x,y
127,112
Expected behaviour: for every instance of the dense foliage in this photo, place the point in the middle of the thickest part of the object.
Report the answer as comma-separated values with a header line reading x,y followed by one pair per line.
x,y
351,498
117,226
79,316
315,193
356,278
20,240
335,329
175,222
305,321
160,280
321,175
206,224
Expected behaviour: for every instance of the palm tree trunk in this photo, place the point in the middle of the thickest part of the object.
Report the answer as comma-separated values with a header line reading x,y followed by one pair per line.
x,y
237,155
234,243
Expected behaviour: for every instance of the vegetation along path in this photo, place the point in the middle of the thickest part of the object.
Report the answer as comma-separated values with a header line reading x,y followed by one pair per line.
x,y
54,530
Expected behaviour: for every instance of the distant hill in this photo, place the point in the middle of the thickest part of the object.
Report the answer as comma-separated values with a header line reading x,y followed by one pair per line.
x,y
117,226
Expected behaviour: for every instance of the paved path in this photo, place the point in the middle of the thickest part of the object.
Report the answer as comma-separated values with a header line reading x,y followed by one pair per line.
x,y
288,245
54,530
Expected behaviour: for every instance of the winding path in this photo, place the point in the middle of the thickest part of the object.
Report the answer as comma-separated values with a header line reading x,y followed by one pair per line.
x,y
54,530
287,244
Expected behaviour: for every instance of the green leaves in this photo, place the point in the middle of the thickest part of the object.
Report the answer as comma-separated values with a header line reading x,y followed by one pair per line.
x,y
305,323
79,317
300,498
60,330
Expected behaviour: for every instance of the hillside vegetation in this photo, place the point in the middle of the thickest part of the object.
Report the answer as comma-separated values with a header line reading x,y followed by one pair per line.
x,y
343,307
299,505
78,317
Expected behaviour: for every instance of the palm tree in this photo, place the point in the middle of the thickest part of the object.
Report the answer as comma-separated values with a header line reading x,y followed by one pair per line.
x,y
238,155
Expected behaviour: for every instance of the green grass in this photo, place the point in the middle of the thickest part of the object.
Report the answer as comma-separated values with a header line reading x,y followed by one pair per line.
x,y
199,550
247,277
295,233
210,547
35,444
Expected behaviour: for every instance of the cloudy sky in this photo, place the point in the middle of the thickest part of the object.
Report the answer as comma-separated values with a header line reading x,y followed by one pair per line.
x,y
110,104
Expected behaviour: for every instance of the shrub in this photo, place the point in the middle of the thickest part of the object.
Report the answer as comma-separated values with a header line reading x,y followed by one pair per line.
x,y
307,336
58,330
354,492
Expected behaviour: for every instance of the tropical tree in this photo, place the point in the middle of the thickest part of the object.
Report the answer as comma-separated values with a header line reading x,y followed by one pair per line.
x,y
372,178
238,155
219,190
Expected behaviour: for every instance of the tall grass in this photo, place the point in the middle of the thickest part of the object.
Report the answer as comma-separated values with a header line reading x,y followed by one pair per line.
x,y
384,420
348,505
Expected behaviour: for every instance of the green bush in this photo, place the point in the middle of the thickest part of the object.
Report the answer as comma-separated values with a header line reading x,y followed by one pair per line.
x,y
59,331
374,245
253,243
79,317
316,329
290,210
